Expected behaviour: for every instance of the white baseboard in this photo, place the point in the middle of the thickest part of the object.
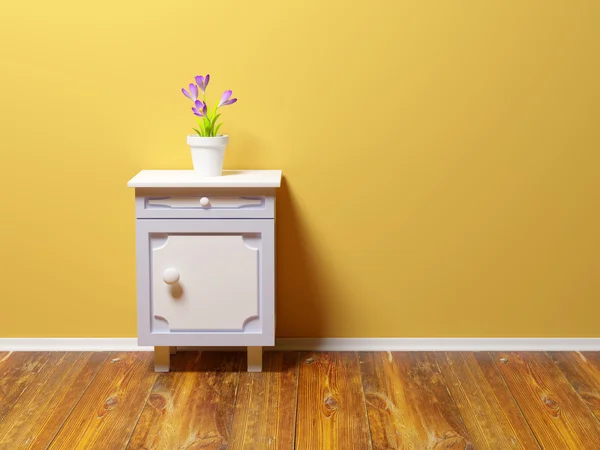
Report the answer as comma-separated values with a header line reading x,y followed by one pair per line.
x,y
70,344
439,344
325,344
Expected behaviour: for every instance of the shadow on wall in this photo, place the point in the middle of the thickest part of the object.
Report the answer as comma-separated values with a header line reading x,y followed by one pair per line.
x,y
301,286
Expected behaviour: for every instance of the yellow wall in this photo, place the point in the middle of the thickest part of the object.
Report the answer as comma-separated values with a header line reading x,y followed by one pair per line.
x,y
442,158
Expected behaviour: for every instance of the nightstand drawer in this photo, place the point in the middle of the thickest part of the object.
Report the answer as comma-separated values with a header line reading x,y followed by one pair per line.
x,y
205,204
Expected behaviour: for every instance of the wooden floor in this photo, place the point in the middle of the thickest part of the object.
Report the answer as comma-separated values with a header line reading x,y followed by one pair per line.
x,y
348,400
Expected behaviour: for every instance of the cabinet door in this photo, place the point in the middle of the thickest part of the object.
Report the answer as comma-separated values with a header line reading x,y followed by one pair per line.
x,y
206,282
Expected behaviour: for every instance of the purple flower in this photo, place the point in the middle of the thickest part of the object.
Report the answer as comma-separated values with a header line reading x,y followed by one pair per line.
x,y
192,94
199,109
202,82
225,100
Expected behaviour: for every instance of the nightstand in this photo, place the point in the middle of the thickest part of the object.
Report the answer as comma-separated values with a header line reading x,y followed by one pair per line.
x,y
205,251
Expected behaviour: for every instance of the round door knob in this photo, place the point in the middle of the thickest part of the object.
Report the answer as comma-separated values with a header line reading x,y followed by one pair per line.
x,y
171,276
204,201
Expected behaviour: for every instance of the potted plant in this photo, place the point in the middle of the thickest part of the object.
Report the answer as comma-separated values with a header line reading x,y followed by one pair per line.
x,y
207,145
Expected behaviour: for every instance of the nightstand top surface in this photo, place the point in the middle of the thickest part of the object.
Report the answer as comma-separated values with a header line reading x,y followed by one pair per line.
x,y
189,178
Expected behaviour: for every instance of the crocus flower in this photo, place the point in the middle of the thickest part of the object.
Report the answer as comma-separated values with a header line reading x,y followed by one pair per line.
x,y
225,100
192,94
199,109
202,82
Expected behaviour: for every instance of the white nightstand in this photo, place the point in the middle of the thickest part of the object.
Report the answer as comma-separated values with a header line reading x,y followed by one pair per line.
x,y
206,260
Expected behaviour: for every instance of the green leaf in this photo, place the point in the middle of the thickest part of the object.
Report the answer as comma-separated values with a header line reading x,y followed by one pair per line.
x,y
203,125
215,119
196,130
217,129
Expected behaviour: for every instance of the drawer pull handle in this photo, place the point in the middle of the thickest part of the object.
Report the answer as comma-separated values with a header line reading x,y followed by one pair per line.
x,y
171,276
204,201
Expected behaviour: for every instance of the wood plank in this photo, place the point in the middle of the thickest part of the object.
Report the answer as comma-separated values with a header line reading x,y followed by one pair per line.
x,y
486,405
265,408
39,413
331,407
192,406
3,357
408,403
556,414
583,372
107,412
17,371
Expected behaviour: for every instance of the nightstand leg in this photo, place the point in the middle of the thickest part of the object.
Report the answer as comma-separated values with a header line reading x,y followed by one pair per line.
x,y
255,359
173,350
162,359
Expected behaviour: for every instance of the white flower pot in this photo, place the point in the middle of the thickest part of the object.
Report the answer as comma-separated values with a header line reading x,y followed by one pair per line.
x,y
208,154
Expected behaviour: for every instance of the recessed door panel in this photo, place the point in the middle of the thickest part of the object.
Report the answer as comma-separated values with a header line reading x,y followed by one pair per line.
x,y
205,282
